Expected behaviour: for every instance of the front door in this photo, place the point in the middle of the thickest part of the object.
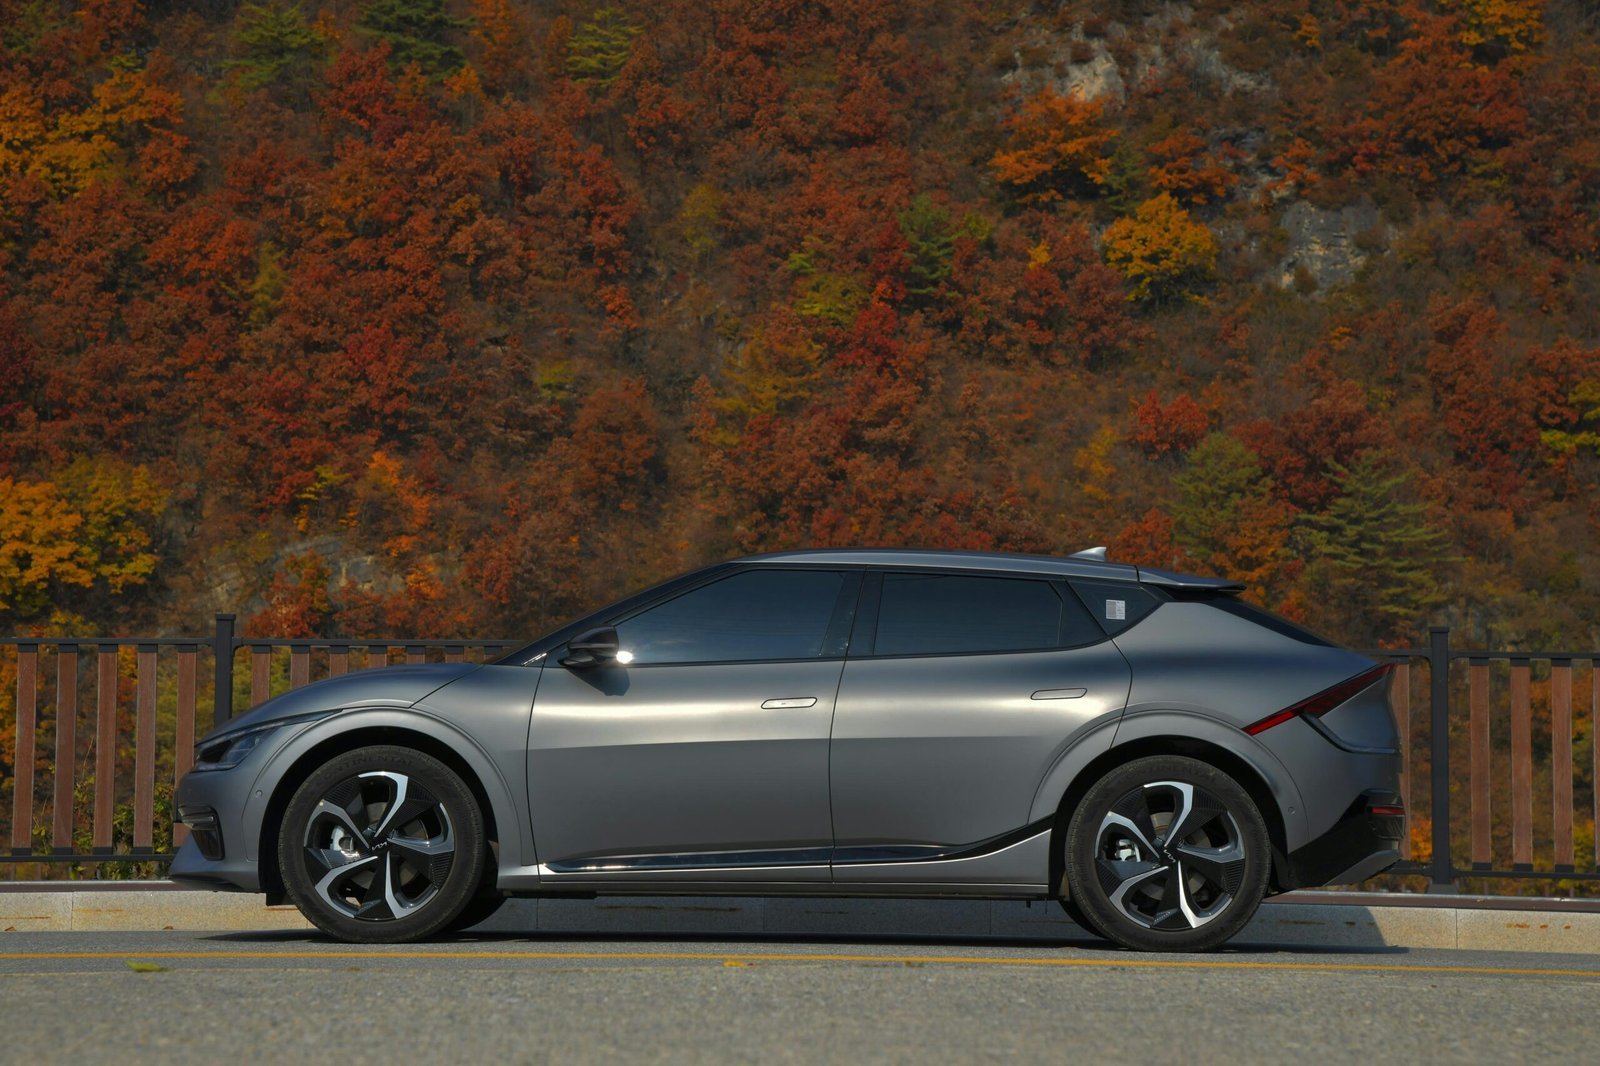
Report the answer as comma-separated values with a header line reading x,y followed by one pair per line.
x,y
705,754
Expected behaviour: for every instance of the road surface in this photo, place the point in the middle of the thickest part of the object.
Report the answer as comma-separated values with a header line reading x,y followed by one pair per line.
x,y
293,997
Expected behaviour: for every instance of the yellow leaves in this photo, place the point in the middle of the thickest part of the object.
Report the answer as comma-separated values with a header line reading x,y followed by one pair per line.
x,y
1309,33
698,220
1093,465
130,117
92,523
1499,28
37,545
778,369
1057,147
1039,255
1160,250
117,503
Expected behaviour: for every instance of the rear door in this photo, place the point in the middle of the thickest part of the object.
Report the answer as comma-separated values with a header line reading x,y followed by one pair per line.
x,y
960,692
706,750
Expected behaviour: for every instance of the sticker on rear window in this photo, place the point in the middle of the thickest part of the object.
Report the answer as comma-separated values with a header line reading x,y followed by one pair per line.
x,y
1116,610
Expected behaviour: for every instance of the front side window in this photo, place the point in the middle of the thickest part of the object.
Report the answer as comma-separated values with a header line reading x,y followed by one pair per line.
x,y
750,616
927,614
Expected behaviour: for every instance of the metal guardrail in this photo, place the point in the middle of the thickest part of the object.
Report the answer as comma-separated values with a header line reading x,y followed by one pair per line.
x,y
92,784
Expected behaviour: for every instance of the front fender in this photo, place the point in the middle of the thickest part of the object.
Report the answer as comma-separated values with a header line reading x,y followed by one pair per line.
x,y
285,765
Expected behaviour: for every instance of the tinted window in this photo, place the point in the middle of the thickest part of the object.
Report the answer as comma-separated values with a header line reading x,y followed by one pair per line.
x,y
758,614
921,614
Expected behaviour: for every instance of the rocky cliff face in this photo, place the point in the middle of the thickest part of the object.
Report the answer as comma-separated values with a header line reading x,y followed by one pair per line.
x,y
1322,250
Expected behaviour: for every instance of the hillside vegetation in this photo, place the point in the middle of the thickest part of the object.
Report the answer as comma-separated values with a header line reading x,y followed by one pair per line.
x,y
407,317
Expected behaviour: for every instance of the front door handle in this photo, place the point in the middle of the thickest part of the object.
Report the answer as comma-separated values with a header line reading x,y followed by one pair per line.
x,y
790,703
1060,693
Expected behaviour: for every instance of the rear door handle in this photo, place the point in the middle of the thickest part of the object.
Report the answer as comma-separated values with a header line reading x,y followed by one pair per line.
x,y
790,703
1060,693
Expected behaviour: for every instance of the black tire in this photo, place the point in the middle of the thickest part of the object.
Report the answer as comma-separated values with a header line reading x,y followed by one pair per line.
x,y
478,909
1080,919
382,845
1143,890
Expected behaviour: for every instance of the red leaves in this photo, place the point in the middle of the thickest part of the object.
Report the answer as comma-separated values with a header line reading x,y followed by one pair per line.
x,y
1436,120
1170,428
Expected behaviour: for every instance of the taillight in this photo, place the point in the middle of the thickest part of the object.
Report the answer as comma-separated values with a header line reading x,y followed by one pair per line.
x,y
1323,702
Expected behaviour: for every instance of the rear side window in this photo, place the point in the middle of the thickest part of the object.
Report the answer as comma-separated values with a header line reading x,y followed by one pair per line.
x,y
750,616
928,614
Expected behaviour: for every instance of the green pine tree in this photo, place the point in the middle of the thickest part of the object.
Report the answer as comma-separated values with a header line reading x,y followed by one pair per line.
x,y
1373,560
931,239
418,32
1221,483
274,44
600,48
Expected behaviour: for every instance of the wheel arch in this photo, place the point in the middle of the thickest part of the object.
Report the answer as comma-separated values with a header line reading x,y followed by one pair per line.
x,y
306,763
1241,770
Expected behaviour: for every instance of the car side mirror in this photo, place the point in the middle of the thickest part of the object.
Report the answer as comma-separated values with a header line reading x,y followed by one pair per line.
x,y
593,648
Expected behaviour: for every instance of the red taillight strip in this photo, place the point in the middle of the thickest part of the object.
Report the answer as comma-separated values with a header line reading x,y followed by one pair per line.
x,y
1392,810
1322,702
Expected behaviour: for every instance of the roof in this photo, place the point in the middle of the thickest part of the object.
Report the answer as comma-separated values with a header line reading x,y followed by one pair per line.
x,y
1069,567
1078,566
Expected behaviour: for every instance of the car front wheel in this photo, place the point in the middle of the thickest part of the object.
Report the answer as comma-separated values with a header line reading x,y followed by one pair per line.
x,y
1167,853
382,845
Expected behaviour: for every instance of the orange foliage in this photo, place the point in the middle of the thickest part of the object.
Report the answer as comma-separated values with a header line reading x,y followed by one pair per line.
x,y
1058,147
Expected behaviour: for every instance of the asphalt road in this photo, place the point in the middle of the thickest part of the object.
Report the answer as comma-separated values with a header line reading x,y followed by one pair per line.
x,y
290,997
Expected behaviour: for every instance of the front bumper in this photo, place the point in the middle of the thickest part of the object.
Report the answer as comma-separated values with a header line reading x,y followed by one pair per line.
x,y
1364,842
215,855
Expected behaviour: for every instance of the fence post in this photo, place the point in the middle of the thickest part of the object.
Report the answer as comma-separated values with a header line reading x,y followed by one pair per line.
x,y
222,651
1441,866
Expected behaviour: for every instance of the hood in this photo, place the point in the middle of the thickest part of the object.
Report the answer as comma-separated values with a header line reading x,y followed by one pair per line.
x,y
383,686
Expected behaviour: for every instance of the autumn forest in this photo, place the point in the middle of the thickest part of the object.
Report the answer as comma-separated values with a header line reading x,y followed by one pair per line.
x,y
415,317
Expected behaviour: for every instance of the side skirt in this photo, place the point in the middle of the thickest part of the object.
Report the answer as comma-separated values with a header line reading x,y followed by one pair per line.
x,y
1011,867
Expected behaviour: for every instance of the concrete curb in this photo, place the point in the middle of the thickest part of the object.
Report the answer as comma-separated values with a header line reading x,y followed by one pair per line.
x,y
1368,920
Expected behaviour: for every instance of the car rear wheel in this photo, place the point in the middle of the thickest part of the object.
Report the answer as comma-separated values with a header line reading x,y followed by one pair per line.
x,y
382,845
1167,853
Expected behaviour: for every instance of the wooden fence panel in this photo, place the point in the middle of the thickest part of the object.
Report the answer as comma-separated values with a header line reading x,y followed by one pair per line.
x,y
27,721
1478,730
299,667
66,745
144,751
260,674
1521,768
183,735
1561,761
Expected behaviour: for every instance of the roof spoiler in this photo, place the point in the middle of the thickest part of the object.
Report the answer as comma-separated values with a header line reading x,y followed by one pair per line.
x,y
1189,582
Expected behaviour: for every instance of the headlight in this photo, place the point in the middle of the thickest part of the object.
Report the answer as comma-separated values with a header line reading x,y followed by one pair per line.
x,y
227,750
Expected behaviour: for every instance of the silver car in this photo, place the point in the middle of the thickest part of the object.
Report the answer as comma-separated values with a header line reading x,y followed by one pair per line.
x,y
1143,746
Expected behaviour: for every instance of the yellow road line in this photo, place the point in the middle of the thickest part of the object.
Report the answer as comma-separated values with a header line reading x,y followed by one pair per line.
x,y
686,956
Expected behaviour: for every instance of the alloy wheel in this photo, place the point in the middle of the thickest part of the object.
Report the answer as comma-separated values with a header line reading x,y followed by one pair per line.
x,y
1169,856
379,846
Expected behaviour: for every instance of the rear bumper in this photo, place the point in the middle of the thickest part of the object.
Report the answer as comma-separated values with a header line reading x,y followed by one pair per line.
x,y
1364,842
